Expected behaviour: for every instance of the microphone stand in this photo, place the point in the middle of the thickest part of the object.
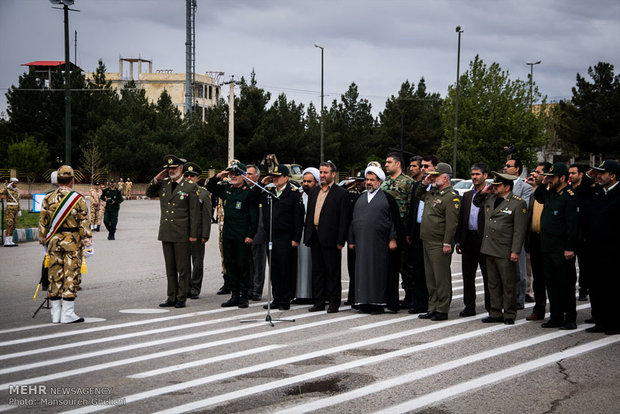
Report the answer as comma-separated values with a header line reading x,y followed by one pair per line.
x,y
270,196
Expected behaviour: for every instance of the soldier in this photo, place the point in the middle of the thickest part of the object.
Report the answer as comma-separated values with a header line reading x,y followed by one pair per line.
x,y
94,195
505,227
102,205
11,194
179,225
283,227
128,187
120,186
192,174
63,230
437,230
558,239
240,224
399,185
112,198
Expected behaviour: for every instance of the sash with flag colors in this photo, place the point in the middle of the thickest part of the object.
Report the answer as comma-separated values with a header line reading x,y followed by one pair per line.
x,y
62,212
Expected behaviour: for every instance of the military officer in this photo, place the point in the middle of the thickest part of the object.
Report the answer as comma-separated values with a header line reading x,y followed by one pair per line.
x,y
11,194
64,231
283,228
112,198
505,227
128,187
94,195
179,225
558,238
437,231
192,173
240,225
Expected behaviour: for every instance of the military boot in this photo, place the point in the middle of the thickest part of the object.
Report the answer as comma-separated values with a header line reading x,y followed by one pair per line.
x,y
233,301
243,300
68,312
55,309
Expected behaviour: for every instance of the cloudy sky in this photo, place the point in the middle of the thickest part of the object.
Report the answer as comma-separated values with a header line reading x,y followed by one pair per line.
x,y
377,44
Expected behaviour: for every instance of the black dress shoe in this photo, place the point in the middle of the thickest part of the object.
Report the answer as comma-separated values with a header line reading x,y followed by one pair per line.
x,y
272,305
529,299
347,303
439,316
316,308
467,312
509,321
194,296
427,315
595,329
180,304
569,326
552,324
490,319
167,304
332,310
223,291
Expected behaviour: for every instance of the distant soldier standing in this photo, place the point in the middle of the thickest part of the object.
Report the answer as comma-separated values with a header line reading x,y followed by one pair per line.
x,y
11,194
128,188
179,225
120,186
102,204
192,174
95,195
63,230
112,198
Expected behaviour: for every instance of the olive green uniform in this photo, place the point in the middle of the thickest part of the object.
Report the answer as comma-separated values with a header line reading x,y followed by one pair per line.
x,y
180,220
504,233
558,233
65,246
438,227
197,247
240,221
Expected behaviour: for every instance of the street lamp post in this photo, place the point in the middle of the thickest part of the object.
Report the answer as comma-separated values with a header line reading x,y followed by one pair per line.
x,y
532,80
322,95
456,101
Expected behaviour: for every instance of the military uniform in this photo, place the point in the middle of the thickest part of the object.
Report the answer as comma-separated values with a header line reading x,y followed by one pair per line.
x,y
504,232
11,194
559,224
112,199
128,187
438,227
240,221
120,186
95,195
179,220
64,247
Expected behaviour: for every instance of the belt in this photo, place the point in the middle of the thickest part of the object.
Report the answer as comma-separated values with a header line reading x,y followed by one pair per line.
x,y
11,204
69,229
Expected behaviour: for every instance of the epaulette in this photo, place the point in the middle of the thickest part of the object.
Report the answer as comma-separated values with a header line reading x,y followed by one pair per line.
x,y
571,192
293,188
517,197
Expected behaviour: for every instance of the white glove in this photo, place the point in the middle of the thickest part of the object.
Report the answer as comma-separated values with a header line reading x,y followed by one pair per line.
x,y
89,251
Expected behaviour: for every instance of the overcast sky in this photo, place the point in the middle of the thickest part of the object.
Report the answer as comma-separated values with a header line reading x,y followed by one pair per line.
x,y
377,44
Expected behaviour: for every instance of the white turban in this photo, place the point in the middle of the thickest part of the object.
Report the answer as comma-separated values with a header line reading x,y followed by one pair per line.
x,y
376,171
315,173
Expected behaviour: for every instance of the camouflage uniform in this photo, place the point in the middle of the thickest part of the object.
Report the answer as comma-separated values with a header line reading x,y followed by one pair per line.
x,y
12,208
400,188
95,195
128,187
65,247
120,186
101,207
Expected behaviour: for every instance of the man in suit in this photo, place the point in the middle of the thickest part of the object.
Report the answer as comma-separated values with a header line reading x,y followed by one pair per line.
x,y
179,225
521,189
325,232
504,232
469,239
191,172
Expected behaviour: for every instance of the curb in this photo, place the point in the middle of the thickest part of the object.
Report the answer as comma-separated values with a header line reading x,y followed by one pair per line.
x,y
26,235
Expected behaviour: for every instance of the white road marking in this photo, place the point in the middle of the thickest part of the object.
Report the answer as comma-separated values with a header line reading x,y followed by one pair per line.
x,y
496,377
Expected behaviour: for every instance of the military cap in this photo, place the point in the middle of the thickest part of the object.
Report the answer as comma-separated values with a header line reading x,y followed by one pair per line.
x,y
96,182
65,171
360,176
236,166
280,170
442,168
111,181
171,161
558,168
611,166
501,178
192,168
14,180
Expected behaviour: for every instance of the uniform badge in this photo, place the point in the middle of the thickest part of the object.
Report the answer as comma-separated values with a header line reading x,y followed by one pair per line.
x,y
525,210
238,205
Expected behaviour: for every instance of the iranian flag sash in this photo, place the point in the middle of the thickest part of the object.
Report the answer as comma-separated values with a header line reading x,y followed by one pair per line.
x,y
62,212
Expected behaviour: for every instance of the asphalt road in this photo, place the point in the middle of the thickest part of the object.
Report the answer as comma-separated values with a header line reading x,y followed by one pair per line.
x,y
134,357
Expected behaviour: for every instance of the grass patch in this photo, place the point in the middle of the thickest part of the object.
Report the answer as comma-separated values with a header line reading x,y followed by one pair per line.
x,y
27,220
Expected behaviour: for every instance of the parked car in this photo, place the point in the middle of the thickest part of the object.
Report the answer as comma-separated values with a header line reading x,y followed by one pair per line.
x,y
465,185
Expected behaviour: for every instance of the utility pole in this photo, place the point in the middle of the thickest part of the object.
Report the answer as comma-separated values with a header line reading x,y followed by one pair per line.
x,y
456,103
322,96
231,118
190,54
65,8
531,64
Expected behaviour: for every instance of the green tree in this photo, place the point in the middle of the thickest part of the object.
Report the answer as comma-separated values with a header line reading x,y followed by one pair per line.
x,y
590,120
250,110
494,111
418,111
28,156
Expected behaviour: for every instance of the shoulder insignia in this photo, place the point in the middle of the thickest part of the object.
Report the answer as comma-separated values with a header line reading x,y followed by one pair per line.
x,y
525,210
293,188
458,200
571,192
455,193
517,197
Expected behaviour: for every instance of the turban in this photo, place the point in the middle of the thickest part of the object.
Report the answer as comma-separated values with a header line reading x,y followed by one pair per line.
x,y
314,172
376,171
